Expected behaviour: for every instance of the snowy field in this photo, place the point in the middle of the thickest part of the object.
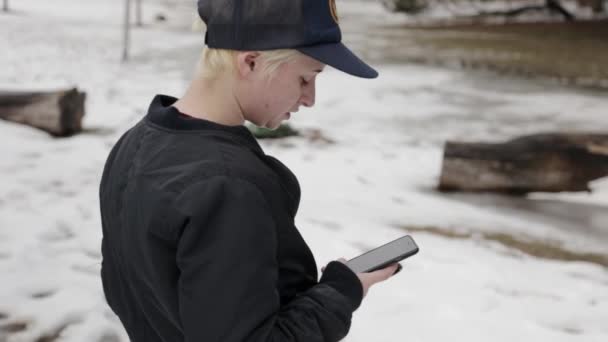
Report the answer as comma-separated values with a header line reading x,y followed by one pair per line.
x,y
358,192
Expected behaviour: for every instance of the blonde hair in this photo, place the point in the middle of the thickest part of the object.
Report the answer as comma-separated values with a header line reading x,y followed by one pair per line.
x,y
215,62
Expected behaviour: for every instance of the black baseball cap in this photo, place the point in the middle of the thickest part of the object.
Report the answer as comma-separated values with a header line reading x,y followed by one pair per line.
x,y
309,26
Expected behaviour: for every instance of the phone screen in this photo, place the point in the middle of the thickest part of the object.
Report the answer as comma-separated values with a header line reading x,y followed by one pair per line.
x,y
383,256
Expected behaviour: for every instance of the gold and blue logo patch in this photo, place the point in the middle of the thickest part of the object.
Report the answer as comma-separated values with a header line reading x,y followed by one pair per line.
x,y
333,10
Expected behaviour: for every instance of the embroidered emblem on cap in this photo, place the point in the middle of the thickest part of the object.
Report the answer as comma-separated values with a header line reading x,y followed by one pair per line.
x,y
333,10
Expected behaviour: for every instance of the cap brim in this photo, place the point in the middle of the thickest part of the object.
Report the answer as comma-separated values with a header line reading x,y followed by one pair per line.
x,y
340,57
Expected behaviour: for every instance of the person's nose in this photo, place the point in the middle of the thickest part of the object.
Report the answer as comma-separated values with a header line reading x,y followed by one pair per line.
x,y
308,94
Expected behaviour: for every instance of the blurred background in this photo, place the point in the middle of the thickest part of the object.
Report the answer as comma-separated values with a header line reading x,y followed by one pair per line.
x,y
485,137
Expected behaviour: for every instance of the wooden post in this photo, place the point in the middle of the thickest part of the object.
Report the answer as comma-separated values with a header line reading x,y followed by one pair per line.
x,y
127,31
138,15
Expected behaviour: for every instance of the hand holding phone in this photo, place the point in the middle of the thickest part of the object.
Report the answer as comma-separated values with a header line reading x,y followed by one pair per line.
x,y
381,263
383,256
368,279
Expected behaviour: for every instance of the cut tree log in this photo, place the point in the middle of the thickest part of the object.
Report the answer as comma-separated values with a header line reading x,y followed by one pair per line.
x,y
550,162
59,112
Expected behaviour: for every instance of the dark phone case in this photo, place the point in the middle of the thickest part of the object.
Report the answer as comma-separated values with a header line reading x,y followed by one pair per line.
x,y
397,259
392,261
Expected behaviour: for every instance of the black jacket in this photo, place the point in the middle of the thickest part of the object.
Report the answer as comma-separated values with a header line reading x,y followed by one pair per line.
x,y
199,242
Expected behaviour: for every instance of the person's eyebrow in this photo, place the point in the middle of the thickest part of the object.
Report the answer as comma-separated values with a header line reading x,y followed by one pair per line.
x,y
318,70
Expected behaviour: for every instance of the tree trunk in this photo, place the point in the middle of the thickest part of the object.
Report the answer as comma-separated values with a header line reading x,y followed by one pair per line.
x,y
59,113
542,162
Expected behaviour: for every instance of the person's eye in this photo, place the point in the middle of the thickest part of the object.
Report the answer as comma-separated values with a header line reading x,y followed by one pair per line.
x,y
303,81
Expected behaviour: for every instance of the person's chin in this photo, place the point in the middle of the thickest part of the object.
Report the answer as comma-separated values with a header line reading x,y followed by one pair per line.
x,y
274,124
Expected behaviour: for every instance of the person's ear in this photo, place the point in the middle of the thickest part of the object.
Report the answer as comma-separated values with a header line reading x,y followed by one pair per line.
x,y
247,62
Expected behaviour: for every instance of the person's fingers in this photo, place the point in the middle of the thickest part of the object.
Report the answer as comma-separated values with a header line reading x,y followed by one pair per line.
x,y
399,268
383,274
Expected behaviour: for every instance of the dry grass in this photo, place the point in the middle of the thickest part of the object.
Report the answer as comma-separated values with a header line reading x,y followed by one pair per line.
x,y
539,249
570,52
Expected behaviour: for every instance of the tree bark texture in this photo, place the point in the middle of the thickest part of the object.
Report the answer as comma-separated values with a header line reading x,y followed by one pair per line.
x,y
58,112
551,162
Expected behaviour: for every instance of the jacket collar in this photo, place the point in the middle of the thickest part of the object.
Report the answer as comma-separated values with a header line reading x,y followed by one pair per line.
x,y
162,113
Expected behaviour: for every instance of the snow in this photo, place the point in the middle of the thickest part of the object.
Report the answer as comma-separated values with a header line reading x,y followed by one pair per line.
x,y
362,191
451,9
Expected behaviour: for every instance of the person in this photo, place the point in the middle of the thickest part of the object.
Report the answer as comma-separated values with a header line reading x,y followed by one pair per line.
x,y
199,241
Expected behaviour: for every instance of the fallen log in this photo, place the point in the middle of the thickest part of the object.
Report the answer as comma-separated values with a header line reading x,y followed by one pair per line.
x,y
550,5
59,112
550,162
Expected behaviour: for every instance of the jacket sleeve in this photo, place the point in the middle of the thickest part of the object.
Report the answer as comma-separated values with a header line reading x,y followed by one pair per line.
x,y
228,280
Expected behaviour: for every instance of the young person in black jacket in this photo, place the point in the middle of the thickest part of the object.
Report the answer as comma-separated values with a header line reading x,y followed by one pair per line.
x,y
199,242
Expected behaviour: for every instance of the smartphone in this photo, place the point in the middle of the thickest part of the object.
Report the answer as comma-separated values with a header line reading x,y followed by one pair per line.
x,y
384,255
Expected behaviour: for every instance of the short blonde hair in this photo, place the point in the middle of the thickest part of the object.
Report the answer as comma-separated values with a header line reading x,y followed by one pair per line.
x,y
214,62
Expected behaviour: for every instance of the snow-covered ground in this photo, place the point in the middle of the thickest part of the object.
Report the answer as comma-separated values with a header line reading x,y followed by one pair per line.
x,y
439,10
357,193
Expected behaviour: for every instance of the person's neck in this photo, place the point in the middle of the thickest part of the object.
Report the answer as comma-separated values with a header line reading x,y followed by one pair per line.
x,y
213,101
